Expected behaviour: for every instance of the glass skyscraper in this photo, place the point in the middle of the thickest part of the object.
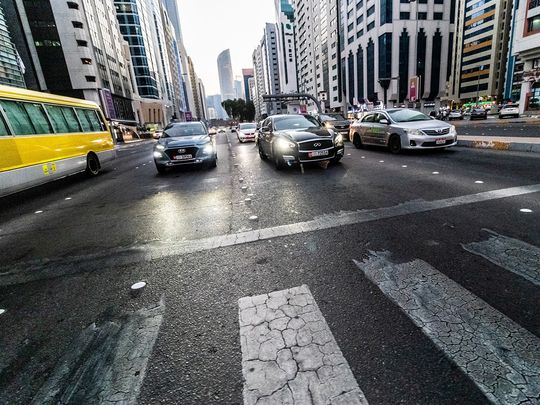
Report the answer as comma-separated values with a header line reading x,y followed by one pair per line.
x,y
10,69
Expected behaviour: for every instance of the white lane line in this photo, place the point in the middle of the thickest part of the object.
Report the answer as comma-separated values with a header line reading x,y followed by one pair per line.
x,y
289,355
479,182
498,355
35,270
38,212
2,311
67,198
526,210
511,254
435,173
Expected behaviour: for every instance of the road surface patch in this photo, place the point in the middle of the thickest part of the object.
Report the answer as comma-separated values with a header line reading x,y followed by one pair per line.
x,y
289,355
498,355
511,254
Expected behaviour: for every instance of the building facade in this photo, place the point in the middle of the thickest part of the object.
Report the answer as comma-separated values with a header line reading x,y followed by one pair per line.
x,y
259,88
247,74
286,46
526,47
225,72
213,102
11,68
396,52
481,49
270,67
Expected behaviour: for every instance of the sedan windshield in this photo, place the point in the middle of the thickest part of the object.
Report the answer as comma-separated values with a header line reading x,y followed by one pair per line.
x,y
185,129
248,126
295,122
332,117
408,116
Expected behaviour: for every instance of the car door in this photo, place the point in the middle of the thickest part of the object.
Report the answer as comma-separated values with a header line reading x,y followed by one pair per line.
x,y
265,134
379,130
365,128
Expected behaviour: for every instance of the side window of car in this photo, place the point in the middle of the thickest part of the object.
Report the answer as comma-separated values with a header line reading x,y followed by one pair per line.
x,y
368,118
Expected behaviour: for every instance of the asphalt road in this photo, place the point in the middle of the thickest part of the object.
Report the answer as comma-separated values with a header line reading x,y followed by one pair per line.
x,y
493,126
70,251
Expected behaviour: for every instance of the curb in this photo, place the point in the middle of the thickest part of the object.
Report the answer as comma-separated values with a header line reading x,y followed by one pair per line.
x,y
498,145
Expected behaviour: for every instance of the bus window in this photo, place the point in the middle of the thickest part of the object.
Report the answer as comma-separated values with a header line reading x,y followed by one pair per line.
x,y
17,117
3,127
94,120
57,117
71,119
86,125
39,118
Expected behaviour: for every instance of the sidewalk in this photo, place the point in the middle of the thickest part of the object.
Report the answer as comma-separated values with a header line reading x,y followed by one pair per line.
x,y
520,144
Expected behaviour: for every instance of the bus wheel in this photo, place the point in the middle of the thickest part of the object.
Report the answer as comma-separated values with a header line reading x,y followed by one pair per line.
x,y
92,165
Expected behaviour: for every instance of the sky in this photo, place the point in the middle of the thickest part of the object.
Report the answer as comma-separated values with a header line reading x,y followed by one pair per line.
x,y
211,26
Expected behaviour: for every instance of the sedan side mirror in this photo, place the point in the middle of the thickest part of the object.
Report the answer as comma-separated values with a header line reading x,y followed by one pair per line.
x,y
384,121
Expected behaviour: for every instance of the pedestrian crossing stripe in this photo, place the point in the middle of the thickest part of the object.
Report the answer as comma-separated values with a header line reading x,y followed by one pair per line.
x,y
500,357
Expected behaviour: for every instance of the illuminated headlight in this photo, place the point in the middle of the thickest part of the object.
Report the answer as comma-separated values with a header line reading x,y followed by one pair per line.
x,y
413,132
339,139
160,147
328,125
283,144
157,154
208,149
452,130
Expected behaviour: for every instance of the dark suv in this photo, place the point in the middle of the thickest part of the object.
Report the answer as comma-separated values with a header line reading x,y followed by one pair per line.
x,y
294,139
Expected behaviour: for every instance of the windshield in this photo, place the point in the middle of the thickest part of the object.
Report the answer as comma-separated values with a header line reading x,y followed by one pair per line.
x,y
248,126
185,129
295,122
408,116
331,117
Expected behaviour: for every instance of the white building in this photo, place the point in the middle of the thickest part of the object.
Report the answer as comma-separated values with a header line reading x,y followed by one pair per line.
x,y
270,66
286,46
526,46
396,41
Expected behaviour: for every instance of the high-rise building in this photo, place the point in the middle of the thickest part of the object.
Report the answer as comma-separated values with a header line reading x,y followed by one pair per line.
x,y
239,88
199,94
214,102
481,49
11,71
526,47
395,50
317,51
286,46
225,72
259,89
270,66
246,75
202,95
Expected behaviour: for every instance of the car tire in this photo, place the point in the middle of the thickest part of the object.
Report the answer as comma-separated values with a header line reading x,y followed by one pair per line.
x,y
394,144
161,168
92,165
357,141
212,163
262,155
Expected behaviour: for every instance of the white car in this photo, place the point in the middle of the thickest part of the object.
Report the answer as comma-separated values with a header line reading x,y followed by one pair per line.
x,y
455,115
509,111
246,131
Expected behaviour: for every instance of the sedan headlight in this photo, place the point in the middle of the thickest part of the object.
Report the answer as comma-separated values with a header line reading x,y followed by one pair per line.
x,y
339,139
452,130
413,132
208,148
283,144
160,147
157,154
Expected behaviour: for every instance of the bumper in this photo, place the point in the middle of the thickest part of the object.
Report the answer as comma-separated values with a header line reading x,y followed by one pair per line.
x,y
428,142
246,137
163,159
294,159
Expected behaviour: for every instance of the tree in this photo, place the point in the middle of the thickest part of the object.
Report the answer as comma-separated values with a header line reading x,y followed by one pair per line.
x,y
239,110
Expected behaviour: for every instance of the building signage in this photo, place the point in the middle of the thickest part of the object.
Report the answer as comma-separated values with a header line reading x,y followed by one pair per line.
x,y
108,104
413,88
188,116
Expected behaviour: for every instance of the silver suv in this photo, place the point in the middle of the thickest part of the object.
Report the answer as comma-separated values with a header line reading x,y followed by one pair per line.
x,y
402,128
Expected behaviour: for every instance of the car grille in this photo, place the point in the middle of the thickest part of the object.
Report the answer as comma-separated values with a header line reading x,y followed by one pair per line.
x,y
171,153
341,126
427,144
436,132
316,144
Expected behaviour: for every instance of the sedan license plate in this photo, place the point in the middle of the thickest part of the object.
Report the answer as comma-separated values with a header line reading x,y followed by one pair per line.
x,y
182,157
316,153
440,141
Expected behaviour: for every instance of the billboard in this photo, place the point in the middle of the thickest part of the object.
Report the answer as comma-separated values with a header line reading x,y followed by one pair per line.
x,y
413,88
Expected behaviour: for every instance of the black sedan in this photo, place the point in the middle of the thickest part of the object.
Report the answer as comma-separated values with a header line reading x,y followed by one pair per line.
x,y
294,139
336,122
478,114
185,143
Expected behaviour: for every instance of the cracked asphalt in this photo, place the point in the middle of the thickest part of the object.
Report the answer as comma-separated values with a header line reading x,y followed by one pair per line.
x,y
72,265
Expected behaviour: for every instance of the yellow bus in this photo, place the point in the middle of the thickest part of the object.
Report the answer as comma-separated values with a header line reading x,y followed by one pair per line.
x,y
44,137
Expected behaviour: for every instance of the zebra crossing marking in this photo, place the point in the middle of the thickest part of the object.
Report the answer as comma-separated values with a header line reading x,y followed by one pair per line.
x,y
500,357
511,254
289,355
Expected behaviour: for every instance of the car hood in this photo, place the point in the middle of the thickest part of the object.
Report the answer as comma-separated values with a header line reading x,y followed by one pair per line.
x,y
183,141
299,135
338,123
432,124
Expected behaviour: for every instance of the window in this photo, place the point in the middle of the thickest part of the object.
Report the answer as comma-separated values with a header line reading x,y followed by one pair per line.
x,y
439,2
368,118
91,79
72,5
437,16
89,120
3,127
371,25
77,24
370,11
63,119
81,42
533,24
86,61
19,115
404,15
422,16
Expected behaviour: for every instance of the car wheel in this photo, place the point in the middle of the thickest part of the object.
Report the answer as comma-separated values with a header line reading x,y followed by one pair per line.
x,y
278,161
161,168
262,155
357,141
394,144
92,165
212,163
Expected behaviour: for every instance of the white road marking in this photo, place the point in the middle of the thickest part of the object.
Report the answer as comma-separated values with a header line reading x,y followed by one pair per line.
x,y
527,210
362,157
498,355
38,212
67,198
26,271
403,165
435,173
479,182
289,355
511,254
254,218
2,311
381,161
